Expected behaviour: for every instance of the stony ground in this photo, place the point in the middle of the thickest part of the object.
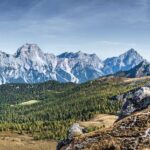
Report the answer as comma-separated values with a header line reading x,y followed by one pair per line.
x,y
130,133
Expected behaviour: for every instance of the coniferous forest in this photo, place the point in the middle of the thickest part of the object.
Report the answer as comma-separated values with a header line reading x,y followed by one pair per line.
x,y
58,105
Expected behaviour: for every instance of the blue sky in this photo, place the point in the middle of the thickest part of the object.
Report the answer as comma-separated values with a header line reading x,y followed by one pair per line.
x,y
104,27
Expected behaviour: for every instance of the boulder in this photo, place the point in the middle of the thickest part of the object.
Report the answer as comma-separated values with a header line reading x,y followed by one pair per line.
x,y
134,100
75,130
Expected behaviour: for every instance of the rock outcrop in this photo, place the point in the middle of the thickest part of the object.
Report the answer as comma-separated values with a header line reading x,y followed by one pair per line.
x,y
75,131
134,100
130,132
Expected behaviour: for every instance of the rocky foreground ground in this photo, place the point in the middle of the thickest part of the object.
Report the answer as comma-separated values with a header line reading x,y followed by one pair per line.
x,y
130,132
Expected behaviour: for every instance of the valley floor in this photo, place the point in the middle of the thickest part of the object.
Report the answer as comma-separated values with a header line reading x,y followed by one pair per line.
x,y
12,141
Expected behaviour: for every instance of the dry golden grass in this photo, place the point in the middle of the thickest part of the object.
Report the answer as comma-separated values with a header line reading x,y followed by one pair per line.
x,y
12,141
100,121
128,80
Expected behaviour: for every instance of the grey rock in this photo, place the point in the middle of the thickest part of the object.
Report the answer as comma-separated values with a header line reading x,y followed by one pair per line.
x,y
134,100
31,65
75,130
124,62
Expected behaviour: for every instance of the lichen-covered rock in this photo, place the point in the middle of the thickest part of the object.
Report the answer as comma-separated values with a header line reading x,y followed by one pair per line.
x,y
130,133
134,100
74,131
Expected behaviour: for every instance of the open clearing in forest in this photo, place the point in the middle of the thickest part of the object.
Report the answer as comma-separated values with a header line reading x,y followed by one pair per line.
x,y
100,121
30,102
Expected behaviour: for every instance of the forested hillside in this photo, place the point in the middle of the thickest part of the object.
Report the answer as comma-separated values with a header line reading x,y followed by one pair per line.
x,y
58,105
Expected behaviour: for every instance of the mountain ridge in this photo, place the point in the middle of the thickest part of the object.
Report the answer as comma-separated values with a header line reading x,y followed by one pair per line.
x,y
31,65
141,70
122,62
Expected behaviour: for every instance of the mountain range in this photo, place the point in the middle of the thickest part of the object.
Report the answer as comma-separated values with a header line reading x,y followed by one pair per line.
x,y
31,65
141,70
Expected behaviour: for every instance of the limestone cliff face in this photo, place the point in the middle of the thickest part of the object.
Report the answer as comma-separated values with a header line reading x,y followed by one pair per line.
x,y
131,132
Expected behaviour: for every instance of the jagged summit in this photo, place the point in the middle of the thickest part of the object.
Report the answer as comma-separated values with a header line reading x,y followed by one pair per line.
x,y
67,55
124,62
141,70
30,65
28,49
132,51
78,54
4,54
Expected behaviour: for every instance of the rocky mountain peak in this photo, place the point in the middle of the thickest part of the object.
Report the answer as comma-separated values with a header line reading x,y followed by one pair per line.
x,y
124,62
130,55
132,51
78,54
3,54
29,50
67,55
29,64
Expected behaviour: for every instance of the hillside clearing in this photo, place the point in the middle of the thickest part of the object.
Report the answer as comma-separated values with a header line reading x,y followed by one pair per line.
x,y
100,121
30,102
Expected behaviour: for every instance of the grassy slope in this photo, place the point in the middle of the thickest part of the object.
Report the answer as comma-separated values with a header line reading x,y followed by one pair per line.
x,y
99,121
60,105
13,141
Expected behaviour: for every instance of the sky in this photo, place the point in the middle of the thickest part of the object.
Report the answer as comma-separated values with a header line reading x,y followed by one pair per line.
x,y
105,27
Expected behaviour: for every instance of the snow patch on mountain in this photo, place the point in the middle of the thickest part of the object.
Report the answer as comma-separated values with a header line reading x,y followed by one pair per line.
x,y
31,65
124,62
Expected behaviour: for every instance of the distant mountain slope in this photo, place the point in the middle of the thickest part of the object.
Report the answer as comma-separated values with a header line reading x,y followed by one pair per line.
x,y
124,62
31,65
81,66
141,70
